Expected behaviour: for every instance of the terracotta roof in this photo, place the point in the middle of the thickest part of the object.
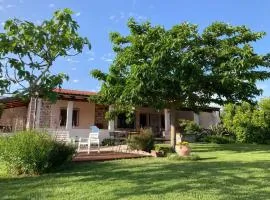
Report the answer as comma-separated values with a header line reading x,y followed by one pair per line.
x,y
13,102
73,92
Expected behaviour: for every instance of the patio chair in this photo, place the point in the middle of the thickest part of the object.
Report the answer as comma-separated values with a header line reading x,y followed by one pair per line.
x,y
92,139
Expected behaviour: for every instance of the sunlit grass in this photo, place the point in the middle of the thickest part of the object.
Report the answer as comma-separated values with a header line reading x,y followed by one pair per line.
x,y
224,172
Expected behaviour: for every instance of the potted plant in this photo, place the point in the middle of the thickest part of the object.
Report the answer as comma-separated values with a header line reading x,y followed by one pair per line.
x,y
183,148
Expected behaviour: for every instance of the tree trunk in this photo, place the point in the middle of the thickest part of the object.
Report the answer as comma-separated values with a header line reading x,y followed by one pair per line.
x,y
172,123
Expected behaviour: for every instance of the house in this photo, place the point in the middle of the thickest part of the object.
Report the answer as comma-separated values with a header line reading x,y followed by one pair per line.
x,y
73,113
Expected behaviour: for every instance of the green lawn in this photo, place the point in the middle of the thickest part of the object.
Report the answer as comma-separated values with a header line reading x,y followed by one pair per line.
x,y
225,172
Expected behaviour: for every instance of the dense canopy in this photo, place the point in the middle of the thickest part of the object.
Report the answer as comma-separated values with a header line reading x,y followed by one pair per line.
x,y
28,52
183,67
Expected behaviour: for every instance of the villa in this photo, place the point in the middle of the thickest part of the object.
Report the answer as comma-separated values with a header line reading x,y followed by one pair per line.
x,y
73,114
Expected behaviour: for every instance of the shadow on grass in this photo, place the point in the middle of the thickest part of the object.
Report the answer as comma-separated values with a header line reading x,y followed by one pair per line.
x,y
237,148
225,180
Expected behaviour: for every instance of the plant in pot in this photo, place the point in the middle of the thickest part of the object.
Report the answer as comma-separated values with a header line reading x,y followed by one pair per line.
x,y
183,148
161,150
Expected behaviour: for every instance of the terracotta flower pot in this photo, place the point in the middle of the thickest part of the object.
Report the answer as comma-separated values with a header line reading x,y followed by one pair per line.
x,y
183,150
156,153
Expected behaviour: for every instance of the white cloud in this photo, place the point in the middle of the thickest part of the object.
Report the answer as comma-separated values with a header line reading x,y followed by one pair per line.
x,y
72,61
91,53
137,16
107,57
73,68
122,15
75,81
38,22
10,6
97,89
112,17
77,14
51,5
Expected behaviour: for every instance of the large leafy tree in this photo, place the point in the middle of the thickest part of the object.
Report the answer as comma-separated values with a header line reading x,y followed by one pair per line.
x,y
28,52
249,122
182,67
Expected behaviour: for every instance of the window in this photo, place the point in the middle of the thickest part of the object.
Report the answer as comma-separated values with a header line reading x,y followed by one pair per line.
x,y
63,117
162,121
143,120
121,122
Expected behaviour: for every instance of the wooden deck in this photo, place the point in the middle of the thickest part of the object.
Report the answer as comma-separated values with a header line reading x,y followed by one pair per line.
x,y
104,156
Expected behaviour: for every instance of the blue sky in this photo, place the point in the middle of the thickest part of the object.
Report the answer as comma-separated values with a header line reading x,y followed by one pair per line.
x,y
98,18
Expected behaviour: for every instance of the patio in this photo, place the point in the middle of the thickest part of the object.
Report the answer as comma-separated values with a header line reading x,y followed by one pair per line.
x,y
104,156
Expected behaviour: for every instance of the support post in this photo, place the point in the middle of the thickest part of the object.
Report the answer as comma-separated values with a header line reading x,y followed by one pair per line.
x,y
173,133
111,122
37,118
69,115
167,123
196,118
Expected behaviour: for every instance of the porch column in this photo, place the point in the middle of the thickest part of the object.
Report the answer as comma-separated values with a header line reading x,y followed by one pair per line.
x,y
37,120
196,118
111,122
69,115
137,120
167,123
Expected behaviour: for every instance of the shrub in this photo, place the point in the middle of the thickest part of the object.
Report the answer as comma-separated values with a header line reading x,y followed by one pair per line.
x,y
189,127
219,139
143,141
107,142
249,123
164,149
33,152
192,157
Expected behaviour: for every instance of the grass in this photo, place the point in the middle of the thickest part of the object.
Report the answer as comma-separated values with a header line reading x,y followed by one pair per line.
x,y
224,172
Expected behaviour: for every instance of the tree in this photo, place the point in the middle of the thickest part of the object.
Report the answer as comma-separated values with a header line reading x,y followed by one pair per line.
x,y
28,52
182,67
250,123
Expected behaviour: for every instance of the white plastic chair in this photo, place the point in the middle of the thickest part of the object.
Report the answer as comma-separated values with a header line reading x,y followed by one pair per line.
x,y
92,139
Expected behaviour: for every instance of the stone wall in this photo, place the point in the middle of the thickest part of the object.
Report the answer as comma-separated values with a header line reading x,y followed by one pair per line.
x,y
30,114
13,119
100,120
45,114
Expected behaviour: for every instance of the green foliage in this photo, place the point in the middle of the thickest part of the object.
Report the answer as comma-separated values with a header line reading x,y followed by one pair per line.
x,y
164,149
107,142
143,141
192,157
28,52
189,127
33,153
249,123
182,66
218,139
220,130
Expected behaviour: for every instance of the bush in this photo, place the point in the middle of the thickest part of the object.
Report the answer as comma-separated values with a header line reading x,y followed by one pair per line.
x,y
189,127
217,139
165,149
192,157
108,142
32,152
143,141
249,123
